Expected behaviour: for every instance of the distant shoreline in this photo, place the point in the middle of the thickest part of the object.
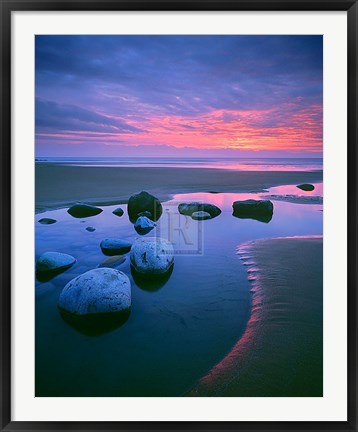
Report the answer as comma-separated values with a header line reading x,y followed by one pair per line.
x,y
58,186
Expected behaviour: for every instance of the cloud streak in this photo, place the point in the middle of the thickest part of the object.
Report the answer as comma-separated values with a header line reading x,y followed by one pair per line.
x,y
244,92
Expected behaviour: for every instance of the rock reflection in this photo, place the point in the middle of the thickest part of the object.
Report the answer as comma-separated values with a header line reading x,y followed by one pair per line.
x,y
151,282
95,324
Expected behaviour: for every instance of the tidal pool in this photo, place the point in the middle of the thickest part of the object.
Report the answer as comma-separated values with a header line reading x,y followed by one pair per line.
x,y
177,330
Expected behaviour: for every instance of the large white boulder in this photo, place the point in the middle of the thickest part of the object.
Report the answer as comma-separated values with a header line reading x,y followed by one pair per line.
x,y
152,255
98,291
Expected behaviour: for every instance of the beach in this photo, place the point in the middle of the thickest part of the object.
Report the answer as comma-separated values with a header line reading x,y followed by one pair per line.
x,y
281,351
267,342
59,185
179,204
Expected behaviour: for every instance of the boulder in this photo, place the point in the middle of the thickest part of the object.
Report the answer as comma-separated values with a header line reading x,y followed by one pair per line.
x,y
47,221
200,215
260,210
144,202
152,256
83,210
118,212
98,291
306,187
54,261
113,261
112,247
144,225
192,207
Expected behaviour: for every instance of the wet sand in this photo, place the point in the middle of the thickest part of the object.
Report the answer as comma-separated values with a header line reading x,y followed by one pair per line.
x,y
59,186
281,351
295,199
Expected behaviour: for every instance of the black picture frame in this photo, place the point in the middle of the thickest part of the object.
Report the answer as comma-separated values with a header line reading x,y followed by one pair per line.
x,y
9,6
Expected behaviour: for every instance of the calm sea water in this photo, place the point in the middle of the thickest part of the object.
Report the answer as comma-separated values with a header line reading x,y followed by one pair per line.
x,y
247,164
176,332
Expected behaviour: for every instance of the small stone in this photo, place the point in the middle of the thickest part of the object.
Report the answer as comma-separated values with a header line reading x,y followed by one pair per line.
x,y
144,225
200,215
47,221
118,212
51,261
90,229
112,247
84,210
306,187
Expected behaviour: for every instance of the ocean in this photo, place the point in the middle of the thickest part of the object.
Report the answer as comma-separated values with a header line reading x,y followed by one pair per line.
x,y
240,164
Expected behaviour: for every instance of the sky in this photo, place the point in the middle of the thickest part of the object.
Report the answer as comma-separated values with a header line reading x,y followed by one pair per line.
x,y
245,96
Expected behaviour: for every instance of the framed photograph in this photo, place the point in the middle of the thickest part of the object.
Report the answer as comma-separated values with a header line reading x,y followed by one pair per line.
x,y
179,215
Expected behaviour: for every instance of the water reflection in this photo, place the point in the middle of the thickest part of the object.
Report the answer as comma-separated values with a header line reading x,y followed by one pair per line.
x,y
294,190
46,276
178,327
97,324
265,218
151,282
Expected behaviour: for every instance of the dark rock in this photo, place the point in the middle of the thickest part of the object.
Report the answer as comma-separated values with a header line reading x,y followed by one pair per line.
x,y
112,247
84,210
47,221
306,187
190,208
118,211
260,210
90,229
144,202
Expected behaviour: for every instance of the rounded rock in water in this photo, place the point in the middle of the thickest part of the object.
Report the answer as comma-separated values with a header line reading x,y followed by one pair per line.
x,y
118,212
307,187
98,291
192,207
146,203
84,210
112,247
200,215
51,261
47,221
261,210
152,256
144,225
